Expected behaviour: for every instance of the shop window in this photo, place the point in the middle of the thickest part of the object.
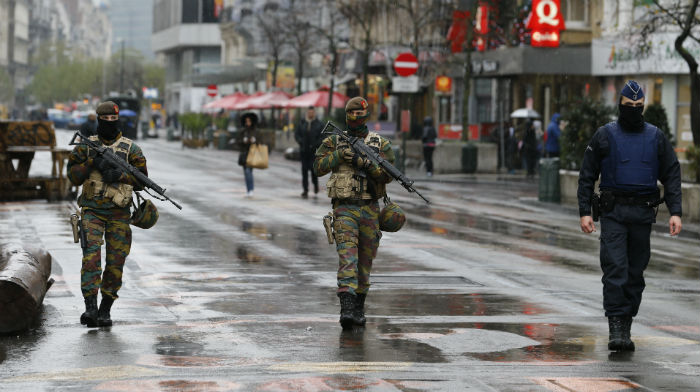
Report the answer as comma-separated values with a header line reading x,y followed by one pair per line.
x,y
445,110
209,12
190,11
575,13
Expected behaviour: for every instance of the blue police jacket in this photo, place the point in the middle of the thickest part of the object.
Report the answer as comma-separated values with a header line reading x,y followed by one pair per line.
x,y
633,162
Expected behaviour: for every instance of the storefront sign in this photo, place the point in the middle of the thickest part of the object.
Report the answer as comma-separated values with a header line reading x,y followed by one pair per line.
x,y
484,66
546,23
443,84
409,84
619,57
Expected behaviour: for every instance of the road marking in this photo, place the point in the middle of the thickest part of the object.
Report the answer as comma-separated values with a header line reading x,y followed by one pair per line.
x,y
588,384
167,385
340,367
90,374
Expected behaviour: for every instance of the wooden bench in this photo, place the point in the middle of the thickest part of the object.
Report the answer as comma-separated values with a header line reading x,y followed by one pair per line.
x,y
19,142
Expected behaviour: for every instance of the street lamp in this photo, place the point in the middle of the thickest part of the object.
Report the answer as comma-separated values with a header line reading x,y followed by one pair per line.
x,y
121,72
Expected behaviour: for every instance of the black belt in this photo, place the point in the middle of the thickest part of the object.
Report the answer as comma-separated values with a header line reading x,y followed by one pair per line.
x,y
356,202
649,200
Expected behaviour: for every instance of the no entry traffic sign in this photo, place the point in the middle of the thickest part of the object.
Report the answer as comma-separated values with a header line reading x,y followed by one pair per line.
x,y
212,90
406,64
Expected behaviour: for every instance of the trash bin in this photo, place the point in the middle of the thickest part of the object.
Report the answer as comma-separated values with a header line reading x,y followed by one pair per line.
x,y
222,140
470,153
171,134
549,180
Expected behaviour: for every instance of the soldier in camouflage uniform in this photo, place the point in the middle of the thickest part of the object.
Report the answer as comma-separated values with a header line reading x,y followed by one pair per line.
x,y
105,211
355,186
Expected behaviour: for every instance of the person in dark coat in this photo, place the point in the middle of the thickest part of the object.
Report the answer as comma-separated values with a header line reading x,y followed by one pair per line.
x,y
89,127
551,147
429,138
308,135
529,148
630,155
247,136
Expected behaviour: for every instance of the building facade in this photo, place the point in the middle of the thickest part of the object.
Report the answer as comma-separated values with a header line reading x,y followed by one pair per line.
x,y
14,49
132,25
187,40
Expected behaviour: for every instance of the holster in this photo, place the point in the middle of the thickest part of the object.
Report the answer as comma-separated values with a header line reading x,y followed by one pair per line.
x,y
595,206
78,231
328,225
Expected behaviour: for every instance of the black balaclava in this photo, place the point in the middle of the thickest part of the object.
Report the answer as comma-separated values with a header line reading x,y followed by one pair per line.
x,y
107,130
631,118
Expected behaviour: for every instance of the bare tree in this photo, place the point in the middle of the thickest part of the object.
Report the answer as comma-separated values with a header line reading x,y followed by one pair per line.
x,y
301,36
684,17
328,30
270,22
362,16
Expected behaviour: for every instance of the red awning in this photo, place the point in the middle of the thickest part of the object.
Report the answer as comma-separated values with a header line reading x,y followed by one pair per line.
x,y
318,98
226,102
274,99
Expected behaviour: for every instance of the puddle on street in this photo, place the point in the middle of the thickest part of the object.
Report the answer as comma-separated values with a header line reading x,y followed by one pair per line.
x,y
410,303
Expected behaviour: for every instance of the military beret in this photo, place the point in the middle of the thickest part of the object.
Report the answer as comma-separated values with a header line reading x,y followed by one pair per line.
x,y
107,107
357,103
632,90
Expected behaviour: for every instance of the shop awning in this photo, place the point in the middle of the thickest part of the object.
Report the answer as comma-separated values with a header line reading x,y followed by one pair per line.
x,y
526,60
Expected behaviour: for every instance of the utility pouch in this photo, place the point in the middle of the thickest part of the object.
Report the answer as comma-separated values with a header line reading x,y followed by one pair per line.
x,y
328,225
607,202
595,206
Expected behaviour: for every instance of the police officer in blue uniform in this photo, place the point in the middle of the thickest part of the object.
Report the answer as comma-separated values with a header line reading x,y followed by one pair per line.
x,y
630,155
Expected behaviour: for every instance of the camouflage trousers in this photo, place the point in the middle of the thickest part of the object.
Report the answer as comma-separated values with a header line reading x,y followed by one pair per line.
x,y
113,226
357,238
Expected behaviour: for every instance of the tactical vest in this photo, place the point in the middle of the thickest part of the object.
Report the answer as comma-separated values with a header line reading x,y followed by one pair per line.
x,y
347,182
633,162
94,188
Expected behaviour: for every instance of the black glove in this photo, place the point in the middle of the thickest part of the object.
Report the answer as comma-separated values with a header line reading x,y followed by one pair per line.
x,y
111,175
101,164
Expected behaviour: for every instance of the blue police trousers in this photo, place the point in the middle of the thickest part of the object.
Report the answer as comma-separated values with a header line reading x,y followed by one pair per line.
x,y
624,255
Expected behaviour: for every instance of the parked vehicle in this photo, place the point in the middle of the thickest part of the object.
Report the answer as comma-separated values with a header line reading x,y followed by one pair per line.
x,y
129,111
77,118
59,118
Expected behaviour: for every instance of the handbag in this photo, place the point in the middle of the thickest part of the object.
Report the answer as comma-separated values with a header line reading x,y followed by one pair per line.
x,y
257,156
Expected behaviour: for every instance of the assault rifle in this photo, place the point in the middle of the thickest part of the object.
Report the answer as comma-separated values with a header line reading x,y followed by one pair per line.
x,y
115,161
365,151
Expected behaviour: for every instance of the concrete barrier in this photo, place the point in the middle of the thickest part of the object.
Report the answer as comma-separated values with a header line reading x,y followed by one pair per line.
x,y
447,157
568,182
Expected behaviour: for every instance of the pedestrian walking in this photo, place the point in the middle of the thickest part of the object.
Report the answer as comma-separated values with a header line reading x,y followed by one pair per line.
x,y
355,186
630,155
105,212
511,149
247,136
551,147
529,148
89,127
308,135
429,138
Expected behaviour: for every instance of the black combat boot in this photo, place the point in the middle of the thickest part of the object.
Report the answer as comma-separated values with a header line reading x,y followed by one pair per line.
x,y
89,317
347,309
103,317
617,326
360,310
627,334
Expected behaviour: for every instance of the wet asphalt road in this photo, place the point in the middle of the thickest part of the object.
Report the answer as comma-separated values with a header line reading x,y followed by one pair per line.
x,y
485,290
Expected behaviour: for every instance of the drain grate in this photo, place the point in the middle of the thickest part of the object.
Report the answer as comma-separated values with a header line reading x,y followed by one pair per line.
x,y
423,279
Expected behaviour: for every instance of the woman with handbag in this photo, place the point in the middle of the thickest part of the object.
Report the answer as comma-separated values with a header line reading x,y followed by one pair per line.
x,y
247,137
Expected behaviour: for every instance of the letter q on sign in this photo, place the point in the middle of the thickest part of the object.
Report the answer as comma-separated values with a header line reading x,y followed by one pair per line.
x,y
550,16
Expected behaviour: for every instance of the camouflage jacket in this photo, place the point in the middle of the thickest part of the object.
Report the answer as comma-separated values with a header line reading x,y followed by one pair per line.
x,y
80,166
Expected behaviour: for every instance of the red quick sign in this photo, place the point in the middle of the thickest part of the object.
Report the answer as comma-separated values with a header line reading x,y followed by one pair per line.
x,y
546,23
